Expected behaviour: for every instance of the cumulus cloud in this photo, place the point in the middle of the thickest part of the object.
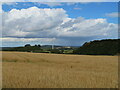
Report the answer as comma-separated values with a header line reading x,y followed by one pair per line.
x,y
22,41
32,22
53,23
114,14
92,27
27,39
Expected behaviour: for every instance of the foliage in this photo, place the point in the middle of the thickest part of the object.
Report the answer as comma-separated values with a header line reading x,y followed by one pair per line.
x,y
96,47
68,51
27,45
56,51
27,48
99,47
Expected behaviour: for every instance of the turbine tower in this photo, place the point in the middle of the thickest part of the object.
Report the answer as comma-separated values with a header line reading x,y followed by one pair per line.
x,y
52,46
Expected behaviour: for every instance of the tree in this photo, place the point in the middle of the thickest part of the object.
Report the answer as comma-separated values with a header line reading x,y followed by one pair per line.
x,y
27,45
39,45
36,45
99,47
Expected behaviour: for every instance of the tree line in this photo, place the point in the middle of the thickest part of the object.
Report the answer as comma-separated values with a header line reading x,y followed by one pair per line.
x,y
100,47
96,47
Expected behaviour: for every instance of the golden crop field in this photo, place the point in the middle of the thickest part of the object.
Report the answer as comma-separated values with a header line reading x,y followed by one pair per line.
x,y
38,70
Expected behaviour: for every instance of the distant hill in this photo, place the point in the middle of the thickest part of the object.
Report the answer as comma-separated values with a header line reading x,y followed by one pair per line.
x,y
99,47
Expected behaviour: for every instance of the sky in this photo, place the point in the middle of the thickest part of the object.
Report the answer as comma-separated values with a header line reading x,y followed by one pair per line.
x,y
58,23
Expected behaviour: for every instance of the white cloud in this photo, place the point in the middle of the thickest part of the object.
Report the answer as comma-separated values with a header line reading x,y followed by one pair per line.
x,y
27,39
32,21
114,14
52,23
87,27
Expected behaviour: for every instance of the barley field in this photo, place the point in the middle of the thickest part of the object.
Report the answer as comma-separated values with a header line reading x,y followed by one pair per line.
x,y
38,70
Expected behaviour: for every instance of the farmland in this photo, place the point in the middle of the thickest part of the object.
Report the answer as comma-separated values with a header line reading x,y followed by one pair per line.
x,y
41,70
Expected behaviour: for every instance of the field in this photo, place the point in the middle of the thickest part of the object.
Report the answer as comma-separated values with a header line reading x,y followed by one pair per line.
x,y
37,70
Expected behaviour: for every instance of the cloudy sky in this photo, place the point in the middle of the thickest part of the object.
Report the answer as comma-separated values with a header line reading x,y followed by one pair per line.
x,y
60,23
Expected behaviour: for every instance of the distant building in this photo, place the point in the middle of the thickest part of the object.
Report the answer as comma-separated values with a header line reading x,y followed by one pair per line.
x,y
67,47
58,47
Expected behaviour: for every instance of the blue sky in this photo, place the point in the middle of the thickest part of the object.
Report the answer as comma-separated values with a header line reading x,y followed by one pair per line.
x,y
99,13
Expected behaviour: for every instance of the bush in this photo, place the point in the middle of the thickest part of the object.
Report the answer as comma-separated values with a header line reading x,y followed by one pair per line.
x,y
56,51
